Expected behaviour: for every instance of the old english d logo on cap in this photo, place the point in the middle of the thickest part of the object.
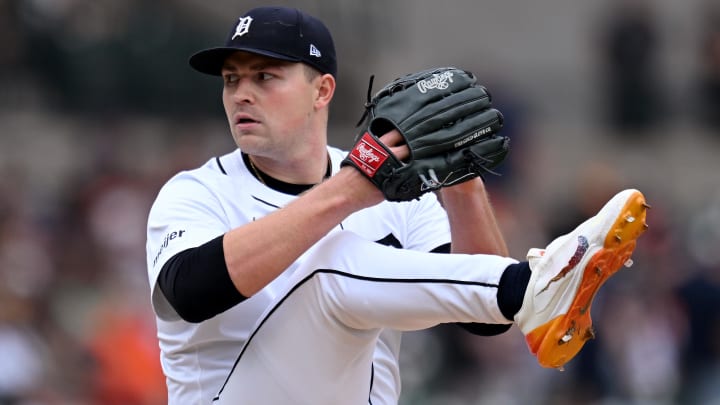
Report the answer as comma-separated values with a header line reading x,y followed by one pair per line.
x,y
243,27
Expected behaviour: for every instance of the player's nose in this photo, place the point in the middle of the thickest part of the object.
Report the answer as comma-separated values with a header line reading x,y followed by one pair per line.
x,y
243,93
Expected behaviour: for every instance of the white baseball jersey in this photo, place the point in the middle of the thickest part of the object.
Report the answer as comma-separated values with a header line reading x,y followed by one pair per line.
x,y
198,205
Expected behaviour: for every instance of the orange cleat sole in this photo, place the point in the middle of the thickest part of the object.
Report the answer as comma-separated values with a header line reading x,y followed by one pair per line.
x,y
559,340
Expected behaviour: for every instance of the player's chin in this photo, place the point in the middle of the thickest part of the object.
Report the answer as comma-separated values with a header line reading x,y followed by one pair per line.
x,y
248,142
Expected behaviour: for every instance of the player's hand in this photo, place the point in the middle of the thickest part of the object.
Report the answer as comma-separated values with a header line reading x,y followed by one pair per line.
x,y
396,143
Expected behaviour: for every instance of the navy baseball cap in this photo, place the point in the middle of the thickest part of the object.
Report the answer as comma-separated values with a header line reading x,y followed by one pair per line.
x,y
278,32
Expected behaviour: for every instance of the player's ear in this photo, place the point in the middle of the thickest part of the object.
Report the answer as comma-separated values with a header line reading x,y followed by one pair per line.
x,y
325,90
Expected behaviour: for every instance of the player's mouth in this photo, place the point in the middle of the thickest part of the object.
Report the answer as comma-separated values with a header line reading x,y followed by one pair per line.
x,y
244,120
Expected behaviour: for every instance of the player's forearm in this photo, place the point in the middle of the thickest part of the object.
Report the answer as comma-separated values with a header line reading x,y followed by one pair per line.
x,y
256,253
473,226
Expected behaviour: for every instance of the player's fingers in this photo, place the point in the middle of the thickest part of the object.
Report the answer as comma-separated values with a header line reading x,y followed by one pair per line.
x,y
402,152
396,143
392,138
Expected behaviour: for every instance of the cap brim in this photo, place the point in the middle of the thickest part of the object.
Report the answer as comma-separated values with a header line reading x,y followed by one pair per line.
x,y
210,61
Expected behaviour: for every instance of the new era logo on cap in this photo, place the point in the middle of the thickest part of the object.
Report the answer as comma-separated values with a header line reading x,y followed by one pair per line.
x,y
277,32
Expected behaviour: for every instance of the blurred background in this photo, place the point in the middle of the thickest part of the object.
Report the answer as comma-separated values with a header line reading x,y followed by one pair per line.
x,y
98,108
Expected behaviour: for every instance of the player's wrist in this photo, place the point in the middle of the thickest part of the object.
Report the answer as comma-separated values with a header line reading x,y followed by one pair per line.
x,y
465,188
356,188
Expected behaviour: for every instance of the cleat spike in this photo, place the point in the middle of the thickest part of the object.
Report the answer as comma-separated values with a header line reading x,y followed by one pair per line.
x,y
589,333
630,218
567,336
646,205
629,262
646,226
618,238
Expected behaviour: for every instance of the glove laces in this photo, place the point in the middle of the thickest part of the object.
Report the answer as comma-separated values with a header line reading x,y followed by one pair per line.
x,y
369,103
477,163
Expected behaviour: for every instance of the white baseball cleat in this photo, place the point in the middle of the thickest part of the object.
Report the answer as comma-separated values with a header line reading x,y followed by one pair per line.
x,y
555,314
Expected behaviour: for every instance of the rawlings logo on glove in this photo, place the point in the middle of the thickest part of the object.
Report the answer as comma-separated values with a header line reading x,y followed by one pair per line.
x,y
368,155
438,81
449,127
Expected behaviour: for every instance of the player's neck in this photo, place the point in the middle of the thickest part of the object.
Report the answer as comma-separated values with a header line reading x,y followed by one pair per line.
x,y
288,187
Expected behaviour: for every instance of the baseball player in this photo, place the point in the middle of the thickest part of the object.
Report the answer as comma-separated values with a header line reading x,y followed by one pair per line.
x,y
281,273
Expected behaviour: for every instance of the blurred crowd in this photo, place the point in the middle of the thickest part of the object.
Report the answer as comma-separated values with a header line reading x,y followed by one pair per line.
x,y
98,109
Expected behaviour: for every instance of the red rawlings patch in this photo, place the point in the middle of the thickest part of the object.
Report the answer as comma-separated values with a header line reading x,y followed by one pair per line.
x,y
368,155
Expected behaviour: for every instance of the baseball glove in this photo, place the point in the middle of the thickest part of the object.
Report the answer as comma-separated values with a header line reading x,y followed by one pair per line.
x,y
448,125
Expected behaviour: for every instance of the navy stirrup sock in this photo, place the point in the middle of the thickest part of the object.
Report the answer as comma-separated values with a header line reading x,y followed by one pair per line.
x,y
511,288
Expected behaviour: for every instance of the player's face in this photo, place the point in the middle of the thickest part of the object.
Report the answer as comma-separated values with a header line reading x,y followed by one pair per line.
x,y
270,104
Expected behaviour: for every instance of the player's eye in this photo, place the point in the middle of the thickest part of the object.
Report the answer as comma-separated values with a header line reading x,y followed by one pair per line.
x,y
263,76
230,79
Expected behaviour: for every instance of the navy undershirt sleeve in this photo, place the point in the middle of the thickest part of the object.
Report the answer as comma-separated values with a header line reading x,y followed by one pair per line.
x,y
197,284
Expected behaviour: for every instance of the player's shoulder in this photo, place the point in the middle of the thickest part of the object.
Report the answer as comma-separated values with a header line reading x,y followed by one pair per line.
x,y
208,178
214,169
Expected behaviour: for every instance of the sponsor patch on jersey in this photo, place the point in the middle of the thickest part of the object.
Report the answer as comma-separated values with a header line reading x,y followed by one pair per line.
x,y
368,155
166,241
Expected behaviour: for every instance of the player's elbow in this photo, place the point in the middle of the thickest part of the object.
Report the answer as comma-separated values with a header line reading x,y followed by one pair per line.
x,y
196,283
